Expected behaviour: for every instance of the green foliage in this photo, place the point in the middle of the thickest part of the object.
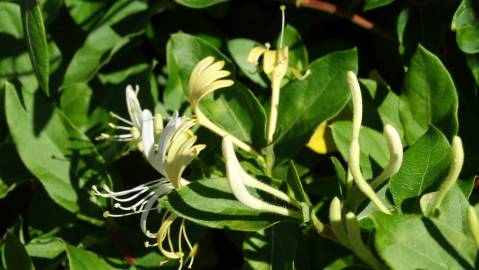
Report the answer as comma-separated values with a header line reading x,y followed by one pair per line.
x,y
466,24
428,97
61,157
306,103
14,255
425,164
35,37
76,188
209,202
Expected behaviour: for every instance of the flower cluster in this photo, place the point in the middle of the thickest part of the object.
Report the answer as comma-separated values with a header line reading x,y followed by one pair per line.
x,y
169,152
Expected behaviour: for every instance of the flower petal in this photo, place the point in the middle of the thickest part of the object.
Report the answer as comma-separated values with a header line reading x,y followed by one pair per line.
x,y
134,108
255,54
148,140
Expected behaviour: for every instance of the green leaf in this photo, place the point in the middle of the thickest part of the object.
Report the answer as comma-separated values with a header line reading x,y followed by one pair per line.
x,y
372,145
272,248
86,13
305,104
295,183
80,259
103,42
380,106
373,4
452,211
36,39
210,202
173,95
425,164
235,108
239,49
466,25
428,97
414,242
14,255
473,64
199,3
256,251
14,57
61,157
48,248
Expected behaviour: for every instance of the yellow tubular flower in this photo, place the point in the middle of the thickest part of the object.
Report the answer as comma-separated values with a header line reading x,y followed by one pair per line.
x,y
207,77
275,62
275,66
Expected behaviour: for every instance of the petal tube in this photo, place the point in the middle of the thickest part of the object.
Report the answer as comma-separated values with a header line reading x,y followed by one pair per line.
x,y
236,176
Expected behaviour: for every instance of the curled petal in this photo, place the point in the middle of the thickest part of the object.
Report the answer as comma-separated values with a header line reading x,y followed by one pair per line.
x,y
395,155
255,54
206,78
237,178
269,60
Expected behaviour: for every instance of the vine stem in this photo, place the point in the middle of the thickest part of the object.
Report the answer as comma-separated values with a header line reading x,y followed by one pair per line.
x,y
353,17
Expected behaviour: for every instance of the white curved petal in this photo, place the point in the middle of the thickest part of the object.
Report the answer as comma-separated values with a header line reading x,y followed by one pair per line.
x,y
148,140
160,191
134,108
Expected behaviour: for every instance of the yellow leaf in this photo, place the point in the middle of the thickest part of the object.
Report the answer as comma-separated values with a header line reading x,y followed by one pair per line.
x,y
322,141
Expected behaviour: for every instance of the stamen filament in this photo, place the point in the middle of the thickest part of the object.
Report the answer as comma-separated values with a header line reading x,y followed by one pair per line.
x,y
283,21
121,118
114,126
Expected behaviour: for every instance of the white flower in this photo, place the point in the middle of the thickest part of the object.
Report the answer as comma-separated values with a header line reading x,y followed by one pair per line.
x,y
238,179
176,147
170,156
135,124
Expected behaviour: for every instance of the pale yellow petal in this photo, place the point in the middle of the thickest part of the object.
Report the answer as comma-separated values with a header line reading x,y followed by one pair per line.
x,y
255,54
215,86
195,74
269,60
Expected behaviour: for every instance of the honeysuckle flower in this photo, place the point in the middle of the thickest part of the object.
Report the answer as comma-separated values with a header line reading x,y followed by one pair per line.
x,y
170,156
275,66
457,152
238,179
176,147
354,148
350,238
207,77
135,124
275,62
395,155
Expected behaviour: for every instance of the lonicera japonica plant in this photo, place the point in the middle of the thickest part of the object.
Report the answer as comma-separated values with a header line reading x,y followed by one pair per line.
x,y
151,135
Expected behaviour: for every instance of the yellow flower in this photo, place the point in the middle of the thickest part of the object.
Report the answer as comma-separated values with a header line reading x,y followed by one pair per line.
x,y
176,147
206,77
275,62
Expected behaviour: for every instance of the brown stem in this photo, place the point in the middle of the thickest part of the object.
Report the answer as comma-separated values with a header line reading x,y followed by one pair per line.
x,y
353,17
